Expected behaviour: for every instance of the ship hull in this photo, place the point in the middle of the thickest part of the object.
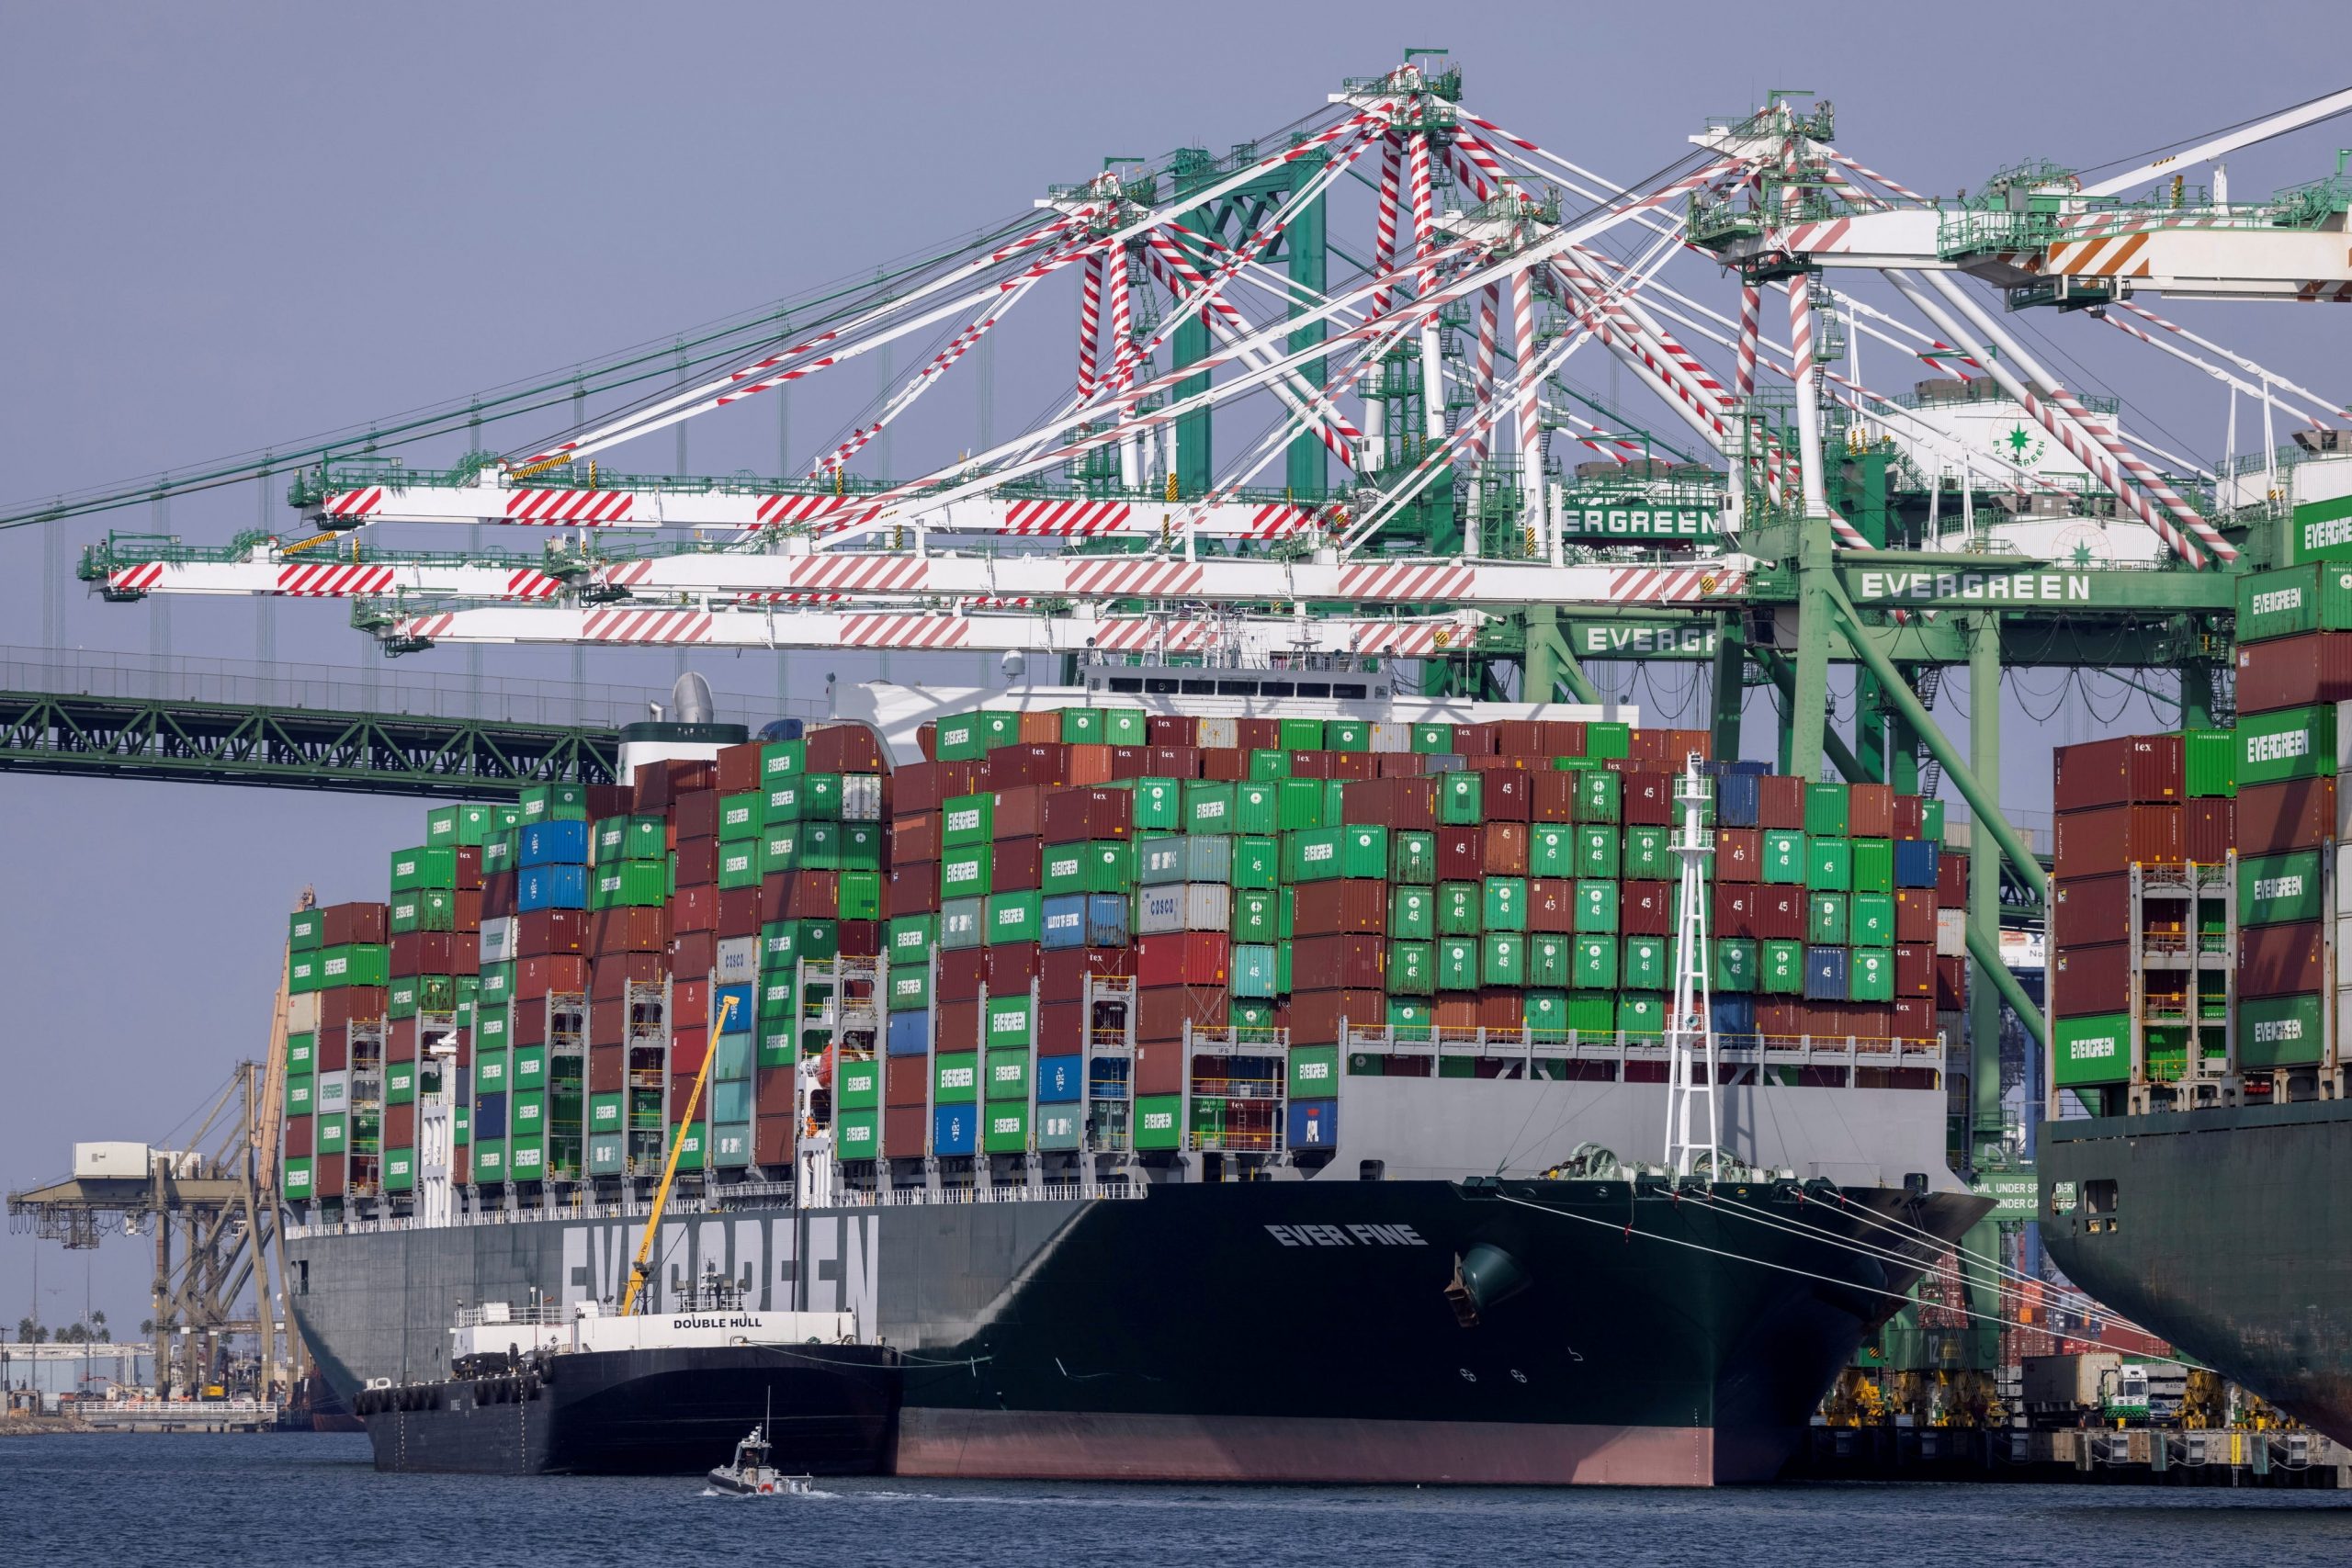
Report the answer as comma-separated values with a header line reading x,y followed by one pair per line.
x,y
827,1410
1265,1331
2225,1231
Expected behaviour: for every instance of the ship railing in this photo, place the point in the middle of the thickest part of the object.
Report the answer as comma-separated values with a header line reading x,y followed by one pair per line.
x,y
731,1201
539,1315
999,1192
1743,1048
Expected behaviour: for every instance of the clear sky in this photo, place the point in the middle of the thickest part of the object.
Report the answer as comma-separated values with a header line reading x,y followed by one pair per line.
x,y
239,224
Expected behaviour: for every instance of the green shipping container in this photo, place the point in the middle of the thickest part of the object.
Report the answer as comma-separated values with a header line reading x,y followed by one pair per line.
x,y
1592,1012
1829,865
1269,766
1824,810
1433,739
1550,960
909,939
1646,857
2211,759
1641,1013
968,872
1301,734
333,1134
1314,1072
1593,963
1547,1014
1299,803
1257,861
2282,1032
1600,795
1869,922
301,1094
1257,916
1254,970
295,1181
1502,959
1412,968
2316,597
1010,1023
635,883
857,1085
1412,856
1602,742
554,802
780,760
1552,851
1457,908
1412,913
1257,808
738,863
1826,919
1015,917
1457,964
306,930
1460,799
530,1067
1504,905
1780,969
2291,743
909,988
360,963
2095,1050
955,1078
1645,966
604,1113
424,867
740,815
1158,804
1158,1124
2275,889
1596,910
859,1134
1869,974
1874,866
1735,965
1782,857
1008,1075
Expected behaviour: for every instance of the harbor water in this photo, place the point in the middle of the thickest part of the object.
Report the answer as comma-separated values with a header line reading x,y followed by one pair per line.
x,y
202,1500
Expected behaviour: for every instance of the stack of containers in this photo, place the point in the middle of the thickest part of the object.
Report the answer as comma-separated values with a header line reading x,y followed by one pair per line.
x,y
346,975
545,1111
435,933
2295,669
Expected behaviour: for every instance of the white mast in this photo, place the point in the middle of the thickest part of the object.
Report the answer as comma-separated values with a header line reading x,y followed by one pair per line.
x,y
1689,1033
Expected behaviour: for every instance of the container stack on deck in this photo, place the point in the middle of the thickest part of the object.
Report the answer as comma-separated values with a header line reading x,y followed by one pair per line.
x,y
1083,929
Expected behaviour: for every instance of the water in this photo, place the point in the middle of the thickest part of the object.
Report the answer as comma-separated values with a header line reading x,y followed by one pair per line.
x,y
312,1499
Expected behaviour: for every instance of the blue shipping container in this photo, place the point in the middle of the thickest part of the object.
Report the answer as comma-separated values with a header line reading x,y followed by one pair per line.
x,y
1314,1124
951,1129
552,886
1915,862
781,729
1737,798
1825,974
490,1116
1734,1014
730,1010
1106,919
554,843
1059,1079
1108,1077
1065,921
909,1034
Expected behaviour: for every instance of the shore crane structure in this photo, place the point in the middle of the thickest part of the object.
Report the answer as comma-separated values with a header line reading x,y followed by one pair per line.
x,y
1320,411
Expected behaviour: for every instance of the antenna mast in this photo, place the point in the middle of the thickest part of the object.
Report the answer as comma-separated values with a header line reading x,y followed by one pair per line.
x,y
1690,1031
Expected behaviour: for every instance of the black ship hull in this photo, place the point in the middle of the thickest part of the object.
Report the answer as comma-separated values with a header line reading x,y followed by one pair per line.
x,y
1267,1331
2224,1230
827,1410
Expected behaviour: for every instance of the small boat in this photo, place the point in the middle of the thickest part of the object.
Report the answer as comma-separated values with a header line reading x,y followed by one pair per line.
x,y
751,1475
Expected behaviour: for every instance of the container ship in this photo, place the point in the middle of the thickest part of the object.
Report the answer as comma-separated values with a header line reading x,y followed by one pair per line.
x,y
1188,1076
2198,1123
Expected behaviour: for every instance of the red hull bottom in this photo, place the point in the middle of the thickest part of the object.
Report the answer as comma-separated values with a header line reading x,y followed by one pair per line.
x,y
1003,1445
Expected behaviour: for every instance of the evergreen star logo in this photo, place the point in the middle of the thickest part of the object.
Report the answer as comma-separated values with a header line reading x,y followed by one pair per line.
x,y
2082,555
2021,447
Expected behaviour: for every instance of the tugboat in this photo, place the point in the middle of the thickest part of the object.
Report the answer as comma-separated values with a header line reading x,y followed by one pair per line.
x,y
541,1390
750,1474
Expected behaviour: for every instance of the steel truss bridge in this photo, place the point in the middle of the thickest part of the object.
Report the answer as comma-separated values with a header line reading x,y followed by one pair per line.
x,y
1318,406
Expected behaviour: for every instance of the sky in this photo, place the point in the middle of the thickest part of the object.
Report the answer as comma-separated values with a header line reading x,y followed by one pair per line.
x,y
236,225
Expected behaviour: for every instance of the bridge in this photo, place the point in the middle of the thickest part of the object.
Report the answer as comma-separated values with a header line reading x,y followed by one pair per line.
x,y
314,726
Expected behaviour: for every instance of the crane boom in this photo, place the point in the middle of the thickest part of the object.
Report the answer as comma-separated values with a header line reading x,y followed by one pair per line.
x,y
637,1268
2327,107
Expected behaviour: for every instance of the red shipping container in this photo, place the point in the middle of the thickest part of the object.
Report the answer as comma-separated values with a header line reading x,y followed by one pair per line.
x,y
1951,983
2293,672
400,1039
607,1069
326,1176
1011,965
1651,749
610,976
1915,915
469,920
2131,770
1019,812
497,894
468,868
2282,960
1734,912
1475,739
1915,1017
1172,730
772,1138
1649,800
350,1004
689,1003
541,933
1519,738
792,896
1739,854
904,1135
561,976
610,800
1458,854
1551,904
1175,761
1316,1016
698,862
1502,849
1506,797
739,912
1020,865
920,787
1130,761
1310,764
1779,801
688,1048
1061,1027
2208,830
1779,1020
437,953
962,971
738,768
2299,814
1062,973
1257,734
637,929
343,924
774,1092
1010,767
529,1024
1455,1012
1160,1068
1502,1007
1396,804
906,1081
695,815
1339,962
650,787
2113,839
1915,971
1952,879
2085,980
331,1047
1646,908
1162,1012
1082,815
1552,797
2090,911
1185,958
1870,811
844,749
907,888
697,909
957,1025
1225,764
1910,817
1090,763
1779,914
914,837
1331,908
